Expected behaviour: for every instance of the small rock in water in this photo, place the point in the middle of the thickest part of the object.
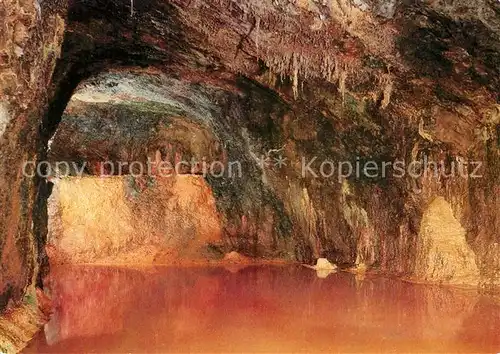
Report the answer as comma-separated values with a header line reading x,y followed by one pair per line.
x,y
324,264
235,257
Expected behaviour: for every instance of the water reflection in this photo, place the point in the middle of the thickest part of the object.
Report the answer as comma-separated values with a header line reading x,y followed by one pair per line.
x,y
259,309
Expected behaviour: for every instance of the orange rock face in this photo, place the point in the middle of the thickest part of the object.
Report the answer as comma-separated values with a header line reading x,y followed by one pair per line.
x,y
115,220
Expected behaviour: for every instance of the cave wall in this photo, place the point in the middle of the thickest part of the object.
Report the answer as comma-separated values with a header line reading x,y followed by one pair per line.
x,y
132,221
30,41
274,211
380,80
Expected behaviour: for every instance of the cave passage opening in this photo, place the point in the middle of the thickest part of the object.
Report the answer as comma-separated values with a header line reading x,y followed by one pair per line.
x,y
129,166
143,168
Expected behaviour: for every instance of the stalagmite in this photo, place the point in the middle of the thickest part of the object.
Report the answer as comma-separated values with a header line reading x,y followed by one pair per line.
x,y
4,117
443,254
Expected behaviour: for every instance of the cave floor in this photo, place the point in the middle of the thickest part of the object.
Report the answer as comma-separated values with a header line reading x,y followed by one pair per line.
x,y
258,309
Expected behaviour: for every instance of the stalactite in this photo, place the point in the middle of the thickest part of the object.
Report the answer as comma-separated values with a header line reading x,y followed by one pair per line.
x,y
257,33
300,67
295,77
342,80
387,84
328,68
310,221
422,132
357,219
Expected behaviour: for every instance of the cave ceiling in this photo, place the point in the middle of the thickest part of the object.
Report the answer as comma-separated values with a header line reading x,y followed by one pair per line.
x,y
415,62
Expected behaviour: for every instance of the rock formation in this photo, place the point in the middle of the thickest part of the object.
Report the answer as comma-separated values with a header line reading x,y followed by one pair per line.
x,y
264,81
443,254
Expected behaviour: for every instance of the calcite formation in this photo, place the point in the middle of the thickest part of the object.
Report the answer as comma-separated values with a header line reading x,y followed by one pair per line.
x,y
443,254
4,117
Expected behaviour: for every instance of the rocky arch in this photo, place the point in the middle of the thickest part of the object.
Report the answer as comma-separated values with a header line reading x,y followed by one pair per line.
x,y
138,117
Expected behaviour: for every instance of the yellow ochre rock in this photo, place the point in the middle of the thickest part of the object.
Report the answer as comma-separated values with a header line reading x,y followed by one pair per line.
x,y
323,267
443,254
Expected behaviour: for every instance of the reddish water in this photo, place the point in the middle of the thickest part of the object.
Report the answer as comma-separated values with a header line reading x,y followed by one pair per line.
x,y
259,309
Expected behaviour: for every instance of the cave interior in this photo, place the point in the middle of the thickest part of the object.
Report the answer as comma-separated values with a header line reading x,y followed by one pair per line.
x,y
166,162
